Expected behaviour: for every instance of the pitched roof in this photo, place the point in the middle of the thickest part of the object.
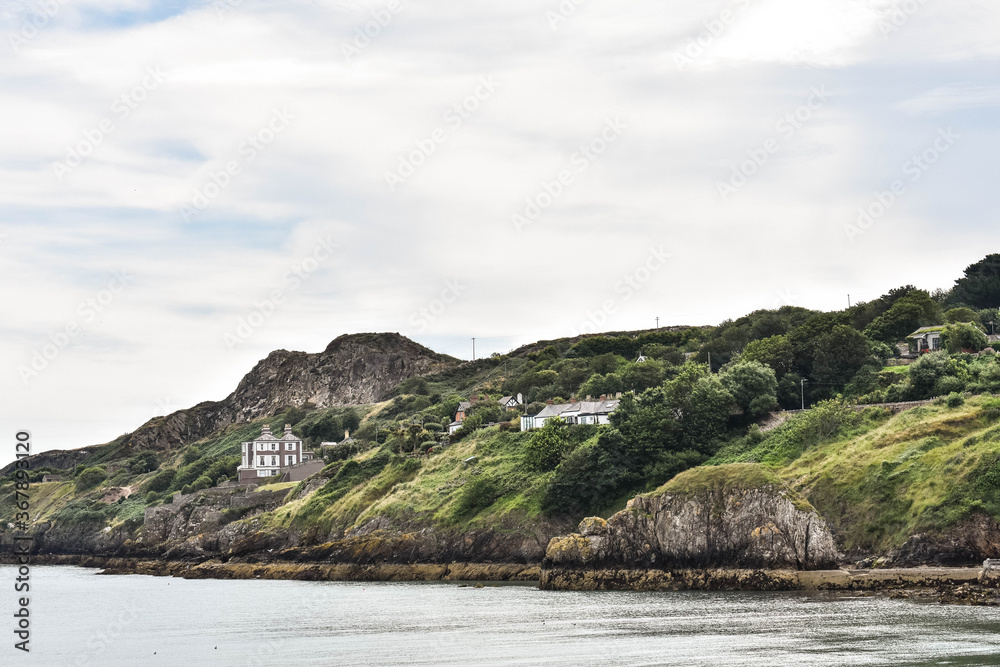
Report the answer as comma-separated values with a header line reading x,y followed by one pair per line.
x,y
580,408
926,330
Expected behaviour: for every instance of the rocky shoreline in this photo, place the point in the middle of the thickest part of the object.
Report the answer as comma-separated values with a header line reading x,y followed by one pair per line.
x,y
969,586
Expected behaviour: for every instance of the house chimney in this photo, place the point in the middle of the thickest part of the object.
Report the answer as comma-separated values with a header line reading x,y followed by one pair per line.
x,y
288,429
618,395
604,397
266,430
589,398
549,402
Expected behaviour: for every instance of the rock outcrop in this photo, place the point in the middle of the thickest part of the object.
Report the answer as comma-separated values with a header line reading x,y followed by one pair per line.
x,y
737,516
354,369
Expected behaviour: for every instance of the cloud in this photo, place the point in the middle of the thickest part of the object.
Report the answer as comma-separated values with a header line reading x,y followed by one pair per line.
x,y
414,95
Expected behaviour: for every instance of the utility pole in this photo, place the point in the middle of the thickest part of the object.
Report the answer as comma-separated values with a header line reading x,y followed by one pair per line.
x,y
848,301
473,349
709,363
804,393
657,322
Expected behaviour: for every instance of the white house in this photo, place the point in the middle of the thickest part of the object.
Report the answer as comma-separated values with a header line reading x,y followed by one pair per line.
x,y
580,412
268,455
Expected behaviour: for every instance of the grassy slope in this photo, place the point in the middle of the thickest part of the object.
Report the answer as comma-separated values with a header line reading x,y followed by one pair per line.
x,y
886,479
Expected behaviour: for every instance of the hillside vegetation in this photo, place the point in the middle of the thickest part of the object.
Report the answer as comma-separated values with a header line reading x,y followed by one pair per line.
x,y
879,479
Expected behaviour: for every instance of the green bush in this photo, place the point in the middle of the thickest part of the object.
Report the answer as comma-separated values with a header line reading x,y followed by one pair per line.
x,y
477,494
161,481
90,478
152,497
955,400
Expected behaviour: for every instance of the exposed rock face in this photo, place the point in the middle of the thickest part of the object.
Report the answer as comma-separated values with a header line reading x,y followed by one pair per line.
x,y
967,543
733,516
353,370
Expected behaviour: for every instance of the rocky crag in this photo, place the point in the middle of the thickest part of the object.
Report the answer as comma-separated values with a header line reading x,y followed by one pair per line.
x,y
354,369
739,518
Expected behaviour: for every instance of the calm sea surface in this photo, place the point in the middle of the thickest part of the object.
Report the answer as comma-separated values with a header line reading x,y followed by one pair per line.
x,y
82,618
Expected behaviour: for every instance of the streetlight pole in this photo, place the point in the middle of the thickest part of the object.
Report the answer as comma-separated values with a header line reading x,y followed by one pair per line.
x,y
473,349
803,385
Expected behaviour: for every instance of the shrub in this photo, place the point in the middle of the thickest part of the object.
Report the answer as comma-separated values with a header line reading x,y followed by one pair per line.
x,y
191,454
152,497
955,400
202,482
547,446
161,481
477,494
187,489
90,478
948,385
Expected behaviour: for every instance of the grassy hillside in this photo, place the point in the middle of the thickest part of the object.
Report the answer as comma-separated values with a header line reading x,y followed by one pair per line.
x,y
879,479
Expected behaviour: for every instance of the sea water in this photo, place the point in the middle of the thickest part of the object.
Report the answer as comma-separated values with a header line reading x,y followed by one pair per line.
x,y
79,617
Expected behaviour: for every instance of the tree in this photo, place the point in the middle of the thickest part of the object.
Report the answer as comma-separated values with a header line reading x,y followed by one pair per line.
x,y
909,313
840,354
753,386
961,315
547,446
925,372
980,287
350,420
960,337
90,478
774,351
639,377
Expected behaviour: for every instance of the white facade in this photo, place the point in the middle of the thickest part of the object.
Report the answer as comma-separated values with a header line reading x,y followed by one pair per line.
x,y
268,455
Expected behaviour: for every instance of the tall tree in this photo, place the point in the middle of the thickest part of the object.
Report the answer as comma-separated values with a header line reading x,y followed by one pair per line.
x,y
981,285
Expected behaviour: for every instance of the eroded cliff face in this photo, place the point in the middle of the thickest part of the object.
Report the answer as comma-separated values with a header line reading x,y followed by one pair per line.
x,y
354,369
737,518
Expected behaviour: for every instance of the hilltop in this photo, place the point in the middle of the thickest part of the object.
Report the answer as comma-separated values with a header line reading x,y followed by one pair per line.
x,y
891,485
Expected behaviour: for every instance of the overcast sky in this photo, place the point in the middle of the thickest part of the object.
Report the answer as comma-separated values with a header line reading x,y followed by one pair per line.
x,y
188,186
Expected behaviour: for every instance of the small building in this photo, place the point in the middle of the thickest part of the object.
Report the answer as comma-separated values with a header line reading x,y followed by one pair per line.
x,y
510,402
577,412
51,478
268,455
926,339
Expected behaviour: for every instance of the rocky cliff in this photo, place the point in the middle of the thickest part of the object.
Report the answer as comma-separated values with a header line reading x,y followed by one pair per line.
x,y
737,516
354,369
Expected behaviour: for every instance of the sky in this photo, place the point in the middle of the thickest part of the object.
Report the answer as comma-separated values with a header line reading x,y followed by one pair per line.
x,y
187,186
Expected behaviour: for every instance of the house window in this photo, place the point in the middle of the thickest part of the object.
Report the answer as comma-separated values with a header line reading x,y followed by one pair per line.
x,y
262,461
290,460
274,446
290,447
274,460
260,446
